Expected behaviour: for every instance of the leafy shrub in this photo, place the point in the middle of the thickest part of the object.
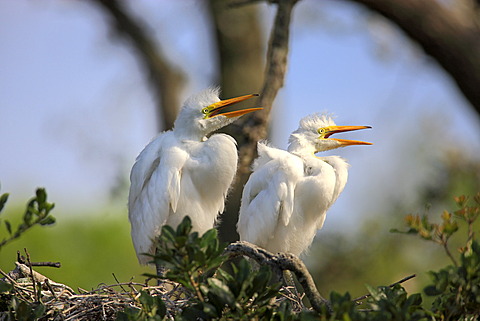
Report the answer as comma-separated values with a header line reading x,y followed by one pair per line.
x,y
241,292
37,212
214,287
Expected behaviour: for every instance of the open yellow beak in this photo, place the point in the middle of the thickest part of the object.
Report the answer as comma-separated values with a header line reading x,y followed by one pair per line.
x,y
340,129
216,108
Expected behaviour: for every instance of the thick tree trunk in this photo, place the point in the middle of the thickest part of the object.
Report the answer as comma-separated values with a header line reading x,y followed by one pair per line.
x,y
255,127
241,56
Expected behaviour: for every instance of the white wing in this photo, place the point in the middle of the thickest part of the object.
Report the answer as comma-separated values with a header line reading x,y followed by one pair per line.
x,y
340,167
174,178
155,190
268,196
206,178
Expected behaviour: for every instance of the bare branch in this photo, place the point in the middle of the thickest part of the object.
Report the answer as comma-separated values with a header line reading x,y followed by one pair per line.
x,y
166,81
256,128
279,263
451,37
23,260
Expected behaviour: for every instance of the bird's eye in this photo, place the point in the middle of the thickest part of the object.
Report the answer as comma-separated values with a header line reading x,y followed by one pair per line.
x,y
321,131
205,110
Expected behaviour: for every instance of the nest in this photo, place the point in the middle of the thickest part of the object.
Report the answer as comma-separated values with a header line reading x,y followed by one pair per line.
x,y
62,303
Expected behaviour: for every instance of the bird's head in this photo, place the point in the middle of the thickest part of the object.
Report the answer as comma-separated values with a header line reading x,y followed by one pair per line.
x,y
204,112
314,133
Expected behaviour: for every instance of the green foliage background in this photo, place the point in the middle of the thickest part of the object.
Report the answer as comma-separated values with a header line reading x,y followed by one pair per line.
x,y
90,247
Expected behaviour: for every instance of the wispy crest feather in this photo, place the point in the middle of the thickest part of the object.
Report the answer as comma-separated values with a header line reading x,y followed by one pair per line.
x,y
311,123
203,98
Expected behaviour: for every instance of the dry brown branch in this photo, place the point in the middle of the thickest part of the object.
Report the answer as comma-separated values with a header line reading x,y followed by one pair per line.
x,y
279,263
254,127
276,67
166,81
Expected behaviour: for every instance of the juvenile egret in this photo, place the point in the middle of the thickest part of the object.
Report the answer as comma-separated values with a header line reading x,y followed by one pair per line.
x,y
287,196
182,172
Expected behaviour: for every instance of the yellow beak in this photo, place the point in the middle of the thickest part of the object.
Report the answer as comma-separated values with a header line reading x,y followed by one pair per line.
x,y
216,108
340,129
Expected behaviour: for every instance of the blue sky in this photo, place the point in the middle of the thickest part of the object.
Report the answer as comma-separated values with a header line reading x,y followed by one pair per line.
x,y
75,109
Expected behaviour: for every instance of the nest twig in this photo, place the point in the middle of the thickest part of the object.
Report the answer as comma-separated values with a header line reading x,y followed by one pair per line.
x,y
63,303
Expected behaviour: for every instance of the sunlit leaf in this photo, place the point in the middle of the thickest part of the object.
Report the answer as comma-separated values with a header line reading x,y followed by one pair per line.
x,y
49,220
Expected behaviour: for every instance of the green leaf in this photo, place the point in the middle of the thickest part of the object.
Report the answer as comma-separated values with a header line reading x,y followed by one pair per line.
x,y
146,300
374,292
49,220
161,307
23,311
219,292
5,287
49,207
208,238
39,311
27,217
167,234
3,200
41,195
9,227
185,227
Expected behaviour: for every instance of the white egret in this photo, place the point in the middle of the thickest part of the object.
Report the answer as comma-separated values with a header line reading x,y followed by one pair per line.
x,y
287,196
183,172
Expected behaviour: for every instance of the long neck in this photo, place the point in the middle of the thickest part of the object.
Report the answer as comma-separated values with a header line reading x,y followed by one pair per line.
x,y
187,127
188,133
340,166
301,146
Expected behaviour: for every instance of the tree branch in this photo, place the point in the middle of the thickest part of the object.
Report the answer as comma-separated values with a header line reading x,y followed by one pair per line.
x,y
451,37
253,127
256,128
166,81
280,263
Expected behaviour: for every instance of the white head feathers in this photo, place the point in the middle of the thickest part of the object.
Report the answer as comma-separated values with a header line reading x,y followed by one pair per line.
x,y
191,123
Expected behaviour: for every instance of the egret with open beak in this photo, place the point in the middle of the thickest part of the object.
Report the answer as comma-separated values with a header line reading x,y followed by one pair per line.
x,y
184,172
285,200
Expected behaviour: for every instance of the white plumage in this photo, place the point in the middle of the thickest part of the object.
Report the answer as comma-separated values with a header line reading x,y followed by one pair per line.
x,y
287,196
182,172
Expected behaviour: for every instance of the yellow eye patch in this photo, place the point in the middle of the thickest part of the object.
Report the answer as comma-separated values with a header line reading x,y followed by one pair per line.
x,y
322,131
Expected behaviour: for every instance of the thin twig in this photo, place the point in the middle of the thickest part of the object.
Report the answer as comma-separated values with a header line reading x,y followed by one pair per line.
x,y
23,260
116,280
360,298
49,286
449,254
47,264
31,274
12,281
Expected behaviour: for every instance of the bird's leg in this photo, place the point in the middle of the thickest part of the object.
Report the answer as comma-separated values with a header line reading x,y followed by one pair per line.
x,y
289,282
160,269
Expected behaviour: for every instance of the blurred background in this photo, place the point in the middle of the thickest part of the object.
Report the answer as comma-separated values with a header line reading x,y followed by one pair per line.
x,y
85,85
